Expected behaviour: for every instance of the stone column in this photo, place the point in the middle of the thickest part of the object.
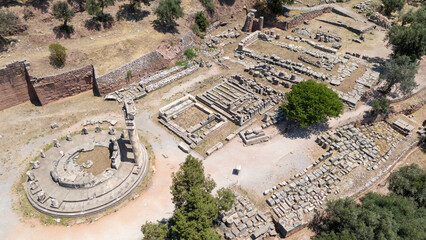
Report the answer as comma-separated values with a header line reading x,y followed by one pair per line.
x,y
129,109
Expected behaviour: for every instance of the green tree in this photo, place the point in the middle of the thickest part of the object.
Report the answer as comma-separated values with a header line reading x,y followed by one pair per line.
x,y
399,71
393,5
378,217
201,21
58,54
410,37
225,199
190,53
310,102
62,12
168,11
9,22
154,231
96,8
410,181
381,106
190,176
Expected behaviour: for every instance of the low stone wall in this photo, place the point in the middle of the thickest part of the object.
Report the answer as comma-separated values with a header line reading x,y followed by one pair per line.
x,y
14,87
149,62
285,25
55,87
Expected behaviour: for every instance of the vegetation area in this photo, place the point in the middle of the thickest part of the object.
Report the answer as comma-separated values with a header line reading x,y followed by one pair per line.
x,y
209,5
62,12
201,21
9,24
399,215
381,106
310,102
195,206
271,7
168,11
391,6
96,9
58,54
399,72
409,38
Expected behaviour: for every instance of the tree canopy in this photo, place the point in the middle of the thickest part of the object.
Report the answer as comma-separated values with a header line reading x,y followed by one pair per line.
x,y
399,71
62,12
310,102
381,106
393,5
168,11
410,181
276,6
410,37
378,217
96,7
195,206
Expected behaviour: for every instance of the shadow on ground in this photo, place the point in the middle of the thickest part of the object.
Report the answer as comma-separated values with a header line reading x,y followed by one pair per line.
x,y
128,13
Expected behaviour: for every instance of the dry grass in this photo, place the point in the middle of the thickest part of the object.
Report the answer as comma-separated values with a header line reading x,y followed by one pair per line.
x,y
190,117
100,158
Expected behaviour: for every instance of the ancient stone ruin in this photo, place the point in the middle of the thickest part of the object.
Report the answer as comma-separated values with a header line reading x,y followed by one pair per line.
x,y
57,185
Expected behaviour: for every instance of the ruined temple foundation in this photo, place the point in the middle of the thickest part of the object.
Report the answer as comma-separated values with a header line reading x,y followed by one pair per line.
x,y
129,109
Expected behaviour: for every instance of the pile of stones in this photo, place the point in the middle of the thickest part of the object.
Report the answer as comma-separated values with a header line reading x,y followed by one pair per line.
x,y
93,122
380,20
295,200
244,221
364,7
345,71
254,136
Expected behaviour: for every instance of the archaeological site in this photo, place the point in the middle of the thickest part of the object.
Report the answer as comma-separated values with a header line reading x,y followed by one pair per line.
x,y
212,119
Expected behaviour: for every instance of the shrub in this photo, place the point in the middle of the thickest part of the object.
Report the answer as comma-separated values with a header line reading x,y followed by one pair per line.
x,y
393,5
190,54
129,75
381,106
399,71
62,12
196,29
58,54
9,22
209,5
410,181
96,8
201,21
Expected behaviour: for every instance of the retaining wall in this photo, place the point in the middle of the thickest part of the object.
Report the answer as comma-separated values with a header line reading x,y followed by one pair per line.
x,y
14,85
149,62
285,25
55,87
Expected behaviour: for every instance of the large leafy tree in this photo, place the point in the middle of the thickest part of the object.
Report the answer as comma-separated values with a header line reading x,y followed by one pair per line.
x,y
381,106
378,217
168,11
393,5
310,102
96,7
410,181
137,3
154,231
399,71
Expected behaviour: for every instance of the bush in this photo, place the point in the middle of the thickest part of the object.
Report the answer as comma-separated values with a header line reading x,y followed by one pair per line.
x,y
196,29
381,106
201,21
190,54
58,54
96,8
9,22
310,102
209,5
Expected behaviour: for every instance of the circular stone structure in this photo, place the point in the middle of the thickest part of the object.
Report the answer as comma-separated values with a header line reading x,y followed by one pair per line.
x,y
58,186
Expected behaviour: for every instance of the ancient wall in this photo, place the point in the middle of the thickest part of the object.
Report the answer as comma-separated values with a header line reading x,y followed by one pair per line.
x,y
285,25
52,88
14,87
149,62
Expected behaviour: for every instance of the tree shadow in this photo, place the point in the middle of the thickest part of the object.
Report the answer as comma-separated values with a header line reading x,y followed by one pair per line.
x,y
165,28
4,44
63,31
293,130
129,13
10,3
92,24
227,2
43,5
